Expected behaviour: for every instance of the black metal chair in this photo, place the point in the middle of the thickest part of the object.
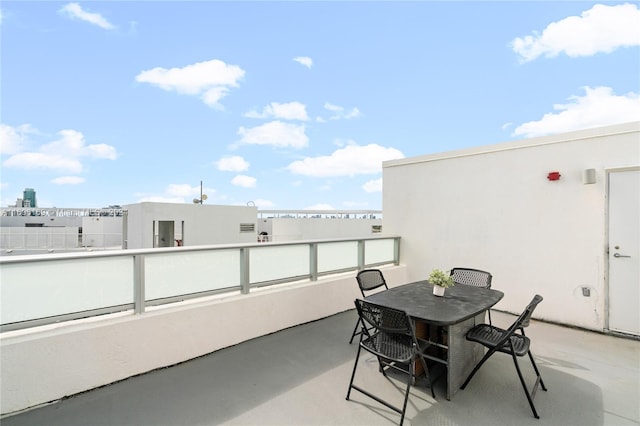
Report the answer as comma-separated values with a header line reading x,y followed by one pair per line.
x,y
473,277
509,342
368,280
393,341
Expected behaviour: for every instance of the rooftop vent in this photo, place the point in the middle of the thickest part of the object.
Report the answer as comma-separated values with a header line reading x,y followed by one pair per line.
x,y
247,227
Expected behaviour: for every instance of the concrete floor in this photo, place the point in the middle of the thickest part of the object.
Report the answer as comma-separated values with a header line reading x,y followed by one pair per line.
x,y
300,376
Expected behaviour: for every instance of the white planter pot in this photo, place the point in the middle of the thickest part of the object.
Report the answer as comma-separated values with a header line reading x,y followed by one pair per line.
x,y
438,290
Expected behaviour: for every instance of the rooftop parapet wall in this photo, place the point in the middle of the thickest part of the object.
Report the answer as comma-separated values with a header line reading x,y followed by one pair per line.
x,y
43,366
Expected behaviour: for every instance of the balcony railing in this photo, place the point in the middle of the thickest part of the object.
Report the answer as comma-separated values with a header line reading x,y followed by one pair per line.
x,y
56,239
44,289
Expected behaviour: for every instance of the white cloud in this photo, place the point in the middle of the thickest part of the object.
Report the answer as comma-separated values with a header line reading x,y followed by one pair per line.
x,y
68,180
13,139
213,96
74,11
102,150
182,190
339,113
244,181
232,164
598,107
373,186
39,160
276,134
211,80
176,193
72,144
344,142
63,154
304,60
287,111
602,28
348,161
354,205
320,206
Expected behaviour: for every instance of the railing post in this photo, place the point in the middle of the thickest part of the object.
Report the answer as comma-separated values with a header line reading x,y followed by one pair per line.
x,y
138,284
396,251
244,270
360,255
313,261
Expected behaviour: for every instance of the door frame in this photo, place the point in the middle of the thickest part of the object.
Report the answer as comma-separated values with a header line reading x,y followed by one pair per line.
x,y
607,286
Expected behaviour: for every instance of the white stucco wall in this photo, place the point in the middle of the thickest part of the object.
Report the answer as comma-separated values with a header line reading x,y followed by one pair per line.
x,y
287,229
102,231
203,224
41,366
493,208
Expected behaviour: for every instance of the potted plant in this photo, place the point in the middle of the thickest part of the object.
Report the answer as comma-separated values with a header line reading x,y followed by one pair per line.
x,y
440,281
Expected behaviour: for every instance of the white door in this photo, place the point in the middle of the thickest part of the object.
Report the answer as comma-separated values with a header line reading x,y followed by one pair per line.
x,y
624,251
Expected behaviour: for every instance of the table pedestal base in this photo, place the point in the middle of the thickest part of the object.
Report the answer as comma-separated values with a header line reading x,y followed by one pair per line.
x,y
451,350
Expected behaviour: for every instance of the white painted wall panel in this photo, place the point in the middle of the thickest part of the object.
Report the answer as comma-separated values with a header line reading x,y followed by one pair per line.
x,y
493,208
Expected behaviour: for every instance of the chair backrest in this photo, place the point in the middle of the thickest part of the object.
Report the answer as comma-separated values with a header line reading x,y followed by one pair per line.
x,y
525,316
384,319
370,279
473,277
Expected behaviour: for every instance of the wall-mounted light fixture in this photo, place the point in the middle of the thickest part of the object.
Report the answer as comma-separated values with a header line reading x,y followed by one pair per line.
x,y
553,176
589,176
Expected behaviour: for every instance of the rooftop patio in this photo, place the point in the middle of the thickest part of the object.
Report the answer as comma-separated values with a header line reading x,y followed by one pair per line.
x,y
299,376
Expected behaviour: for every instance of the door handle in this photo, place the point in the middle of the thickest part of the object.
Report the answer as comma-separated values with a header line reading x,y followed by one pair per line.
x,y
619,255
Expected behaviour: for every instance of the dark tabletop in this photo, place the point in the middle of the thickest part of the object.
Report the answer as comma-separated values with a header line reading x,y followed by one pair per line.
x,y
459,302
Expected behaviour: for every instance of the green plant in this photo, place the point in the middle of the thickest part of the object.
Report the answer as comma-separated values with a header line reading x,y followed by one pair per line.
x,y
438,277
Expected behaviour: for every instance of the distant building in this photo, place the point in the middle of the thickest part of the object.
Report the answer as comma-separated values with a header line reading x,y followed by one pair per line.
x,y
29,198
146,225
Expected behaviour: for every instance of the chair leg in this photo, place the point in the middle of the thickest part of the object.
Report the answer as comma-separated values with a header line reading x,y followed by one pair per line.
x,y
427,375
489,313
535,367
524,386
374,397
355,330
353,374
412,373
477,367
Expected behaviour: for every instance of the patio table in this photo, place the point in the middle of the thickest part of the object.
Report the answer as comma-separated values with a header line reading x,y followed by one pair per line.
x,y
444,321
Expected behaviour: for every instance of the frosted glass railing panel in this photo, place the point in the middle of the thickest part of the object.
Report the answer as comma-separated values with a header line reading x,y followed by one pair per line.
x,y
337,256
174,274
41,290
63,287
275,263
379,251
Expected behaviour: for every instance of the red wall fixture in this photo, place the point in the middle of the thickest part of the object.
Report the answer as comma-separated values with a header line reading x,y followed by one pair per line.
x,y
553,176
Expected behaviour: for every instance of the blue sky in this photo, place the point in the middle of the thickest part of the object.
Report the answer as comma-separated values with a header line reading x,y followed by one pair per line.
x,y
291,105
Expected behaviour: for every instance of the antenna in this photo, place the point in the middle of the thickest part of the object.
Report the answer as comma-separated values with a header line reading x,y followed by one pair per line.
x,y
202,196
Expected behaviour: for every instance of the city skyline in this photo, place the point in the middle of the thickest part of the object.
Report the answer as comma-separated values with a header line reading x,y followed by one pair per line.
x,y
291,105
